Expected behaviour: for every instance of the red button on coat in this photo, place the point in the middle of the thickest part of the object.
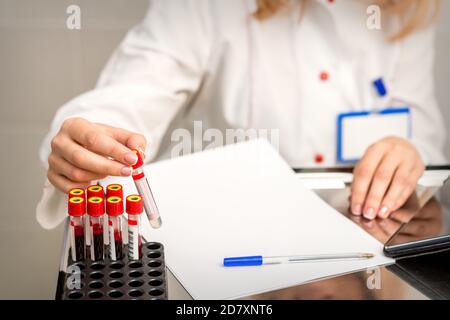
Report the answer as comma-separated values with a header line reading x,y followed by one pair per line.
x,y
324,76
318,158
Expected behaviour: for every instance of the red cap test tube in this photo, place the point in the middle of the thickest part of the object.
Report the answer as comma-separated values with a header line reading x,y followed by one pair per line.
x,y
77,192
76,211
96,211
134,208
95,191
144,190
114,190
114,210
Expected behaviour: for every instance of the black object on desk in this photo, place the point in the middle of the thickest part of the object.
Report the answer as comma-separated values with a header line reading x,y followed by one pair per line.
x,y
429,213
430,274
124,279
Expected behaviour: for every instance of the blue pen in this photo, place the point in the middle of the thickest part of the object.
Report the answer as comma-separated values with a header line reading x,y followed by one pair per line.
x,y
260,260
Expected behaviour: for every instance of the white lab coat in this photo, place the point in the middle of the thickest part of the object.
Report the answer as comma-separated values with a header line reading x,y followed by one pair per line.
x,y
209,61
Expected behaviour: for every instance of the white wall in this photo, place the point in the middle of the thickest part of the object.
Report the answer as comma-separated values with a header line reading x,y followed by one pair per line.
x,y
42,65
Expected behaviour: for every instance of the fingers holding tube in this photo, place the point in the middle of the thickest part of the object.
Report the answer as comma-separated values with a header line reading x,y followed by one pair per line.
x,y
130,139
75,174
95,139
83,158
83,151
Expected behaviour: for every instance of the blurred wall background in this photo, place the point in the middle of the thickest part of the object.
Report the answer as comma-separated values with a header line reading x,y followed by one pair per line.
x,y
42,65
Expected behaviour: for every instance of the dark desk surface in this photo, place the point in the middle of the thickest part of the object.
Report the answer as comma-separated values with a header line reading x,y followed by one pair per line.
x,y
429,274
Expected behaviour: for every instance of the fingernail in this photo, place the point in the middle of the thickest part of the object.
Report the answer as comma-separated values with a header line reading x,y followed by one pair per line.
x,y
126,171
131,158
356,210
384,212
369,214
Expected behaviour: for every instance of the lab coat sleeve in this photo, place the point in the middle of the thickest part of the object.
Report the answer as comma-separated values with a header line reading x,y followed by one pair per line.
x,y
413,86
157,68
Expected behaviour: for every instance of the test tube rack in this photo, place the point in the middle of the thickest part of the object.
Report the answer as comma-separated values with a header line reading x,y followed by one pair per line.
x,y
124,279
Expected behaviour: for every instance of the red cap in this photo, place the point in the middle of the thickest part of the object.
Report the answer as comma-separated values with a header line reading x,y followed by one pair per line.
x,y
76,207
76,192
139,161
134,204
95,207
114,190
114,206
95,191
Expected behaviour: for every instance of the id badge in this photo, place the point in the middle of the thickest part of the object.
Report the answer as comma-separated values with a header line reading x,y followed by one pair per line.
x,y
356,131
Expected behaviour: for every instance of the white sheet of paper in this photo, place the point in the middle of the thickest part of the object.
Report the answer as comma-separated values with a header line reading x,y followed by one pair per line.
x,y
239,200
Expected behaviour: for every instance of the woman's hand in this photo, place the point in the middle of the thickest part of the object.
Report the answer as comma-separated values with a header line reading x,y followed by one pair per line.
x,y
385,177
83,151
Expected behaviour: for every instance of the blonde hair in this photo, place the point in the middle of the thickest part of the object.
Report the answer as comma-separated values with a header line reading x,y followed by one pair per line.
x,y
414,14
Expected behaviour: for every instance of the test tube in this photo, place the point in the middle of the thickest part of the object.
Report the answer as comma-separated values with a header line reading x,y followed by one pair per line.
x,y
144,190
134,208
77,192
114,190
76,211
95,191
96,211
114,210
